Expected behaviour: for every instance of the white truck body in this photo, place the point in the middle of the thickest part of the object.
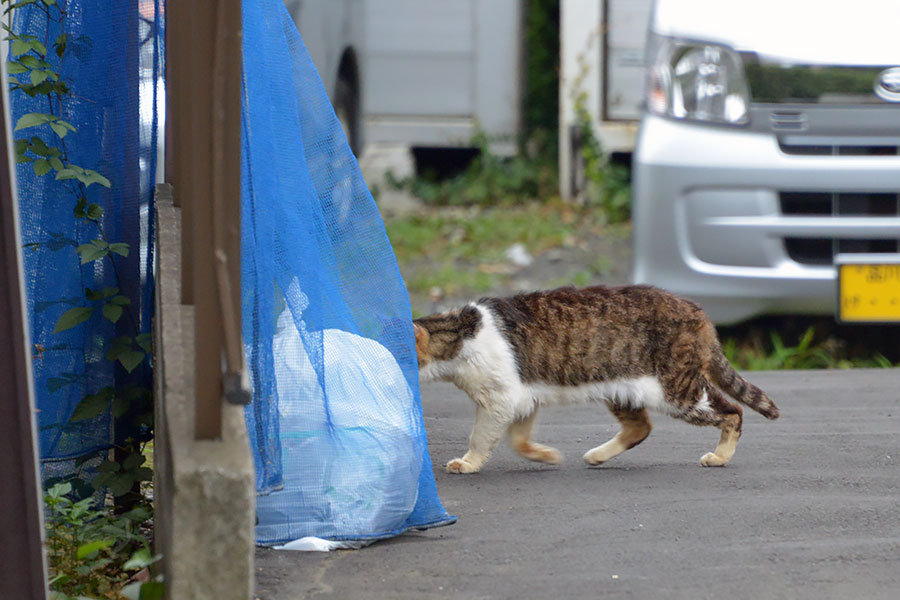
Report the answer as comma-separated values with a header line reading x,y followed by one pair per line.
x,y
428,72
602,60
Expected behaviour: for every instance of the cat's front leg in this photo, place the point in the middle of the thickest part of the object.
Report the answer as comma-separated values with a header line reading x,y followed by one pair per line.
x,y
490,425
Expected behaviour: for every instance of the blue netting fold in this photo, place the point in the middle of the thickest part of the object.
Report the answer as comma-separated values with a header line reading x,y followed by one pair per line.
x,y
336,422
112,64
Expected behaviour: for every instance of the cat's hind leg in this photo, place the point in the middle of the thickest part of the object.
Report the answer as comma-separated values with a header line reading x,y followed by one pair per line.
x,y
519,436
713,409
490,425
636,427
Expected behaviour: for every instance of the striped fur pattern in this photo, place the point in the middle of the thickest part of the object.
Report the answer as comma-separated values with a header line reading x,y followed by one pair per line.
x,y
635,348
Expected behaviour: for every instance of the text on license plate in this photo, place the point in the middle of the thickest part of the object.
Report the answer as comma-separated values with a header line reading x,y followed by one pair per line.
x,y
869,292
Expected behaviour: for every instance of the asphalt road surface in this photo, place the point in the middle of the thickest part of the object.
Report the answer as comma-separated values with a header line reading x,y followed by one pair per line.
x,y
809,507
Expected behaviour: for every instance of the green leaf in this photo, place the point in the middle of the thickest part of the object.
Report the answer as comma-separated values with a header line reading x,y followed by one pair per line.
x,y
112,312
130,359
102,480
95,250
91,548
119,248
143,474
133,461
41,166
38,146
72,317
145,341
60,44
20,47
37,76
138,514
121,484
95,212
38,47
56,164
92,405
80,212
152,590
59,490
121,300
32,120
43,88
92,176
109,466
140,559
54,384
67,173
14,68
32,62
66,124
59,129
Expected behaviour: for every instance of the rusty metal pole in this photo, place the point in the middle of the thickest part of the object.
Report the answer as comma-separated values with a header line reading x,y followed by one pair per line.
x,y
23,567
204,54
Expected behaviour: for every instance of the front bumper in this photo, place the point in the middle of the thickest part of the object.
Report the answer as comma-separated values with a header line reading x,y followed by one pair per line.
x,y
738,220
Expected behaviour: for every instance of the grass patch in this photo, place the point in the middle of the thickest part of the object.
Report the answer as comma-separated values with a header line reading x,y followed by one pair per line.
x,y
462,250
453,280
481,235
490,180
775,343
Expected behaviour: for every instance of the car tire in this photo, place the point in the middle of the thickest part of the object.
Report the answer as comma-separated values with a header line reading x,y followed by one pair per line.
x,y
346,107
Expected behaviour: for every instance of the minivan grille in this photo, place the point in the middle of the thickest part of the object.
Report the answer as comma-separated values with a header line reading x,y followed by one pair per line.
x,y
839,150
821,251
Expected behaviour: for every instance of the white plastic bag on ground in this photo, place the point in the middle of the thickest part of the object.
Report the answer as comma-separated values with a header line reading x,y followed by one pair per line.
x,y
350,455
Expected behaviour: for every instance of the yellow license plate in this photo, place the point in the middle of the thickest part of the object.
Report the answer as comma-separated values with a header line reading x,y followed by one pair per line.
x,y
869,291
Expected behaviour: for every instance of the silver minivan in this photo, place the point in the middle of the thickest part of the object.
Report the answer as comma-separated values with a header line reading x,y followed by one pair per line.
x,y
769,156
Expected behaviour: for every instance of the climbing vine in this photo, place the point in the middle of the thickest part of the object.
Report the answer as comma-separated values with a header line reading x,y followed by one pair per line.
x,y
44,139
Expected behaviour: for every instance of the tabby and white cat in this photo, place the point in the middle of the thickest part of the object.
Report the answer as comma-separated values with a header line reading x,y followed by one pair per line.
x,y
634,348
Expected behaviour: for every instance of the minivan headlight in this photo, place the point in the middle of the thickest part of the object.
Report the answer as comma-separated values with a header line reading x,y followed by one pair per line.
x,y
696,81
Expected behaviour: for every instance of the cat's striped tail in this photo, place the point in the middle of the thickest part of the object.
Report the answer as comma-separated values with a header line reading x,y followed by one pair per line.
x,y
730,382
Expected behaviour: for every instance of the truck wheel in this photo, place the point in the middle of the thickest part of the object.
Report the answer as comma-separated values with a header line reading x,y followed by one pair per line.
x,y
346,106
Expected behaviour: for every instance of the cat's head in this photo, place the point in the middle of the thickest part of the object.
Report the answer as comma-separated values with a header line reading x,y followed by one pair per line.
x,y
440,337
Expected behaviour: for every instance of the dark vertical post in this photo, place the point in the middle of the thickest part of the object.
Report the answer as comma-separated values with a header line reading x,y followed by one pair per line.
x,y
179,148
206,110
23,569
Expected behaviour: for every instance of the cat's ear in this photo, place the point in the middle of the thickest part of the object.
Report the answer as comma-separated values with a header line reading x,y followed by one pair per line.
x,y
422,336
469,321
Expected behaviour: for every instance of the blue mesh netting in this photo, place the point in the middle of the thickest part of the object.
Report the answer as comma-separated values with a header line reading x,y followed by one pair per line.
x,y
336,424
112,64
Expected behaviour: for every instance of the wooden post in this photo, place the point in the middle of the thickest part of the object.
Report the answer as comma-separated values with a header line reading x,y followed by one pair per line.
x,y
23,568
205,40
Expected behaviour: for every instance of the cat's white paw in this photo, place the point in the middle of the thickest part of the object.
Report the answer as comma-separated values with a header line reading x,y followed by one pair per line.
x,y
711,459
459,465
592,459
601,454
